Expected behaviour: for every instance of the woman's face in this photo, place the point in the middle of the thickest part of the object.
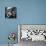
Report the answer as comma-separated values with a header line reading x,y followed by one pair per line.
x,y
9,13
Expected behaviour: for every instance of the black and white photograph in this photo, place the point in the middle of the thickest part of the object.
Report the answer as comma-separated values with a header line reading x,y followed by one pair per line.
x,y
31,34
10,12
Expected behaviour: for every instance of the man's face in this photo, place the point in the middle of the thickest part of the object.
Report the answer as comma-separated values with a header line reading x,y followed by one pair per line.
x,y
13,12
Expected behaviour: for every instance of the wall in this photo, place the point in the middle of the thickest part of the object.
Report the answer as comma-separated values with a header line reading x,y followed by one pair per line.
x,y
28,12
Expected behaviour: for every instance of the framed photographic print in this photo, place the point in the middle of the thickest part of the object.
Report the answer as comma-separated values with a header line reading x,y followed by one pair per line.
x,y
32,32
10,12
